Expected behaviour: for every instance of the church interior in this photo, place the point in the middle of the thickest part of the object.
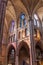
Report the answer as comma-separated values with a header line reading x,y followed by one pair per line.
x,y
21,32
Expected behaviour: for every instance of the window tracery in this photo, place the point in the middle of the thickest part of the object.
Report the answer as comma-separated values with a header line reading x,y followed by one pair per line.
x,y
37,26
12,35
36,21
22,20
23,27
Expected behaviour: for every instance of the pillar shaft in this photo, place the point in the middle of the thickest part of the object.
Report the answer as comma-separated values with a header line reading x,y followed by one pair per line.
x,y
16,60
33,53
3,4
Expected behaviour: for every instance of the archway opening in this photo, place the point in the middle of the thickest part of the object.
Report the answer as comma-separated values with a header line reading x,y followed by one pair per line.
x,y
11,56
39,55
24,57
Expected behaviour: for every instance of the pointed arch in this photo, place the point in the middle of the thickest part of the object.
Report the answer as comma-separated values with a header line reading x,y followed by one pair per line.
x,y
11,52
23,53
23,43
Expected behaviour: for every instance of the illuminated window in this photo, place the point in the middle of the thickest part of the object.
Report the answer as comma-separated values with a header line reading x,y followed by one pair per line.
x,y
36,20
22,20
38,23
35,16
12,26
22,16
11,31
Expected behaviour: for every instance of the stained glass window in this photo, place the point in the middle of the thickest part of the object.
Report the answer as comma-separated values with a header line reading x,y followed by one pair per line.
x,y
35,16
11,31
38,23
22,16
22,20
12,26
36,20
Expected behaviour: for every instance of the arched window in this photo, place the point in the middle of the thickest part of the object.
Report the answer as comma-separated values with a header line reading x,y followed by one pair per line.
x,y
22,20
12,26
12,34
36,20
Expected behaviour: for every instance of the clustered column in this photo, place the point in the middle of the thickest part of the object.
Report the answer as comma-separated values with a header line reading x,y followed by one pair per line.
x,y
32,43
3,4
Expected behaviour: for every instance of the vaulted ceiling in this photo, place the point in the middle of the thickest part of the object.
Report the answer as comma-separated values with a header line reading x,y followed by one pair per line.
x,y
29,7
15,7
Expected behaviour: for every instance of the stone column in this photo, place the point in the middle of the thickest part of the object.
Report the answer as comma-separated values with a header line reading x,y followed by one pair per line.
x,y
32,43
30,56
16,60
3,4
2,16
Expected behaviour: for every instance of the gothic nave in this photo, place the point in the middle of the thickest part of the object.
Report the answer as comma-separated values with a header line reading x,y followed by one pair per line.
x,y
21,32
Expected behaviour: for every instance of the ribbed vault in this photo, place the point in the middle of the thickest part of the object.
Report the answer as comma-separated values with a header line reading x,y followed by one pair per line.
x,y
15,7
